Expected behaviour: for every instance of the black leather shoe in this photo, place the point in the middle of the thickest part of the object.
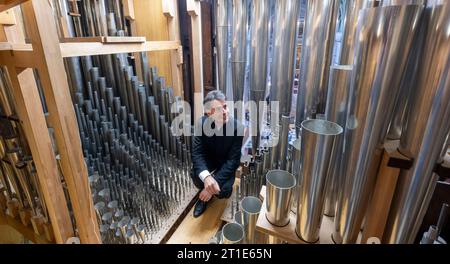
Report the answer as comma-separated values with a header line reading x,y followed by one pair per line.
x,y
199,208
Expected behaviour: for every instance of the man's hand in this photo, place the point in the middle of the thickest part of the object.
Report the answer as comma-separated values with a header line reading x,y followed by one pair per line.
x,y
205,196
211,185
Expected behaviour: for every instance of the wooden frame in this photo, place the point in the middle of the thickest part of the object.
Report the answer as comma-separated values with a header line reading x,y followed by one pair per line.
x,y
193,8
30,112
7,4
74,49
170,10
45,54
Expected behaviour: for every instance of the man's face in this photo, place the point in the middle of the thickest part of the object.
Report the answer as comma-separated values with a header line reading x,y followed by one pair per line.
x,y
218,112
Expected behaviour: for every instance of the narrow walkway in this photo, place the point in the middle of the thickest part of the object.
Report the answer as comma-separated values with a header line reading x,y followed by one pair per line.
x,y
200,230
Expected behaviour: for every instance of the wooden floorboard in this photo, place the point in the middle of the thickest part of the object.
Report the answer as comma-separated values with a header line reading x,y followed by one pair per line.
x,y
200,230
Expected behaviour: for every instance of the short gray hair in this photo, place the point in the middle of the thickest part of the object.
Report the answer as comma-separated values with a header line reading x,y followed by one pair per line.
x,y
213,95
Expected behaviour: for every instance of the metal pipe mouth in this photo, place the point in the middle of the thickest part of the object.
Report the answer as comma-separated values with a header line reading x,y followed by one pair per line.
x,y
322,127
251,205
104,229
233,232
281,179
99,206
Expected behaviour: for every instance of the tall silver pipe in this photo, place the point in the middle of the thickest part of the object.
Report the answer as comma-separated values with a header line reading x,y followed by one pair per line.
x,y
336,111
433,60
259,26
222,26
296,171
426,127
239,47
274,152
284,53
385,36
395,128
283,142
232,233
349,39
259,44
409,208
280,185
251,206
318,137
317,48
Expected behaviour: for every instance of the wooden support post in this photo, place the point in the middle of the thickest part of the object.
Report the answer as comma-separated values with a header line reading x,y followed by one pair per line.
x,y
7,4
7,17
14,33
380,204
28,233
170,10
128,10
193,8
53,77
30,112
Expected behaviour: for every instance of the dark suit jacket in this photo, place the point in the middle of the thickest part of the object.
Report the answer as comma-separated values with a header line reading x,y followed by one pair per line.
x,y
220,152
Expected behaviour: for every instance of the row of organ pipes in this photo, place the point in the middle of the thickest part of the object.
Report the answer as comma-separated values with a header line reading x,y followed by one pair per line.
x,y
388,81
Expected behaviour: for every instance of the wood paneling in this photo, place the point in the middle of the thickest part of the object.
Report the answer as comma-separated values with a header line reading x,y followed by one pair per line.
x,y
152,24
207,37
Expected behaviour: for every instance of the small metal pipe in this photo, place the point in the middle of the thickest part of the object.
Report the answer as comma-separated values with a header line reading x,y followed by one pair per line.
x,y
279,187
283,143
251,206
318,137
336,111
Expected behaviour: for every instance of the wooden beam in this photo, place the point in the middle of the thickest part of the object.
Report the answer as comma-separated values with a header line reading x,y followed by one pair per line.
x,y
53,77
193,8
380,204
27,232
128,9
105,40
29,110
97,48
81,40
124,40
170,9
7,4
20,59
7,18
6,46
15,33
